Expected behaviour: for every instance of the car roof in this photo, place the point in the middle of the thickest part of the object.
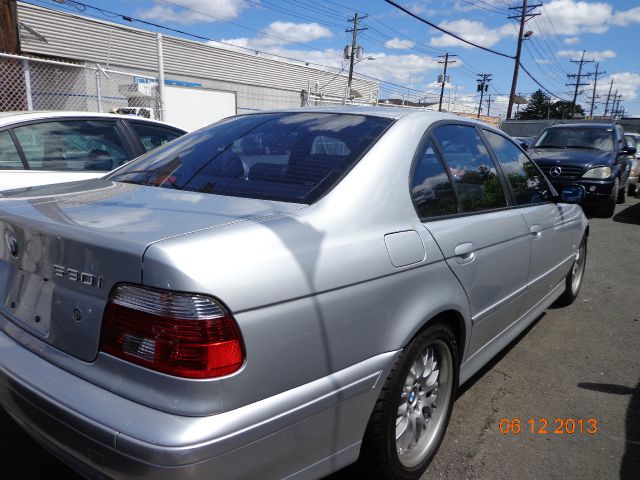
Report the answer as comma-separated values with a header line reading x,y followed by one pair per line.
x,y
583,125
374,111
8,118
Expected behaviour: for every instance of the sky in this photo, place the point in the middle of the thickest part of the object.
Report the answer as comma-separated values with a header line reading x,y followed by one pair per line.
x,y
404,53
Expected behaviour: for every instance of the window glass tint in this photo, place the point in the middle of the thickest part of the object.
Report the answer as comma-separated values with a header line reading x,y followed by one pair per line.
x,y
474,174
74,145
9,158
152,136
431,189
526,182
596,138
293,157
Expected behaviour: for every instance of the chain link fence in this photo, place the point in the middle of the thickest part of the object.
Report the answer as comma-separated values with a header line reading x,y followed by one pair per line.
x,y
28,83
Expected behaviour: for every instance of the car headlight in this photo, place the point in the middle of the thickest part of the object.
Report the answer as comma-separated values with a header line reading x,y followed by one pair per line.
x,y
598,172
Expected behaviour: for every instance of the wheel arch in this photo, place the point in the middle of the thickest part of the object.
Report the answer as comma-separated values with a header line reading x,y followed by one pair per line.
x,y
454,319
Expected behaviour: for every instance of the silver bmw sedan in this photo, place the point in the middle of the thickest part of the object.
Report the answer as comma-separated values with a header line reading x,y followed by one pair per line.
x,y
277,295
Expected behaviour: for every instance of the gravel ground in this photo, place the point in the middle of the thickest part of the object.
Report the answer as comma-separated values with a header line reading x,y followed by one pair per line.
x,y
581,361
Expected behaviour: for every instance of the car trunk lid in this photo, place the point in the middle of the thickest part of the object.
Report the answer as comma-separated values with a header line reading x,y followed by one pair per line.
x,y
64,246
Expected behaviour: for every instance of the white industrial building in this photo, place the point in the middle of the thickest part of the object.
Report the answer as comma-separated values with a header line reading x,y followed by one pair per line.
x,y
118,66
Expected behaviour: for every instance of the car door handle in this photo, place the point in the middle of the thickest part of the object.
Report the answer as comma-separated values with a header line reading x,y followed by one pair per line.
x,y
465,252
536,231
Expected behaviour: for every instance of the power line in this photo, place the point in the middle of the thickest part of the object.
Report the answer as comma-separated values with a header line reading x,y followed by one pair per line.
x,y
260,32
447,32
538,83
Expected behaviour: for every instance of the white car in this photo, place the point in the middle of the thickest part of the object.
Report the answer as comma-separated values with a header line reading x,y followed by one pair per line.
x,y
634,140
38,148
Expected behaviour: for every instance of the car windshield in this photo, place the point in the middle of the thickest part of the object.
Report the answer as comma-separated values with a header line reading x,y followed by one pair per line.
x,y
575,137
292,157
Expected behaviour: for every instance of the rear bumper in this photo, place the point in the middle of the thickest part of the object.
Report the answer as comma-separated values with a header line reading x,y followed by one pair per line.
x,y
102,434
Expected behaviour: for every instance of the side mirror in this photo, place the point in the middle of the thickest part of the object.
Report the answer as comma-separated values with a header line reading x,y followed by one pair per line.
x,y
571,194
628,150
524,145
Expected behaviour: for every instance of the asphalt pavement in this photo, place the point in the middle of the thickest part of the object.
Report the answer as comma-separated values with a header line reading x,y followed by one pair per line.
x,y
575,363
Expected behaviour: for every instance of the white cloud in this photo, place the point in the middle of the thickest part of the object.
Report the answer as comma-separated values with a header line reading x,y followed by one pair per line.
x,y
398,44
296,32
627,17
474,31
603,55
543,61
195,11
282,33
626,83
573,17
571,40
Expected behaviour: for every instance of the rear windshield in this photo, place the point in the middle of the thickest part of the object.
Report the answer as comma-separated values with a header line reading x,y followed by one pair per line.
x,y
290,157
575,137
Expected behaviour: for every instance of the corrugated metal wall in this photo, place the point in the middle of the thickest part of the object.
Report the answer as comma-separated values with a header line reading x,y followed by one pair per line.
x,y
259,82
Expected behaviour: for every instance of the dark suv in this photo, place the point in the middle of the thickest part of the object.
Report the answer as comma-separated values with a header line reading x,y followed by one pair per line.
x,y
594,155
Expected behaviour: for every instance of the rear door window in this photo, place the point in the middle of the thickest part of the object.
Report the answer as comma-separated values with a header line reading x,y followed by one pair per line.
x,y
9,157
152,136
73,145
291,156
527,183
431,189
474,174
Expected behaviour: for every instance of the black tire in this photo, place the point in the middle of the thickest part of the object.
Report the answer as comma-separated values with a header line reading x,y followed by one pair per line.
x,y
575,277
380,457
622,193
632,190
608,208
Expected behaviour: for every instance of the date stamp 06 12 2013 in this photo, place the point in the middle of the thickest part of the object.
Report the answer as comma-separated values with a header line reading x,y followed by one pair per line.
x,y
546,426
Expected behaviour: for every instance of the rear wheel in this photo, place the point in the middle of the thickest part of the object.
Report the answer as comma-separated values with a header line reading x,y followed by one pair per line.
x,y
573,282
632,190
413,410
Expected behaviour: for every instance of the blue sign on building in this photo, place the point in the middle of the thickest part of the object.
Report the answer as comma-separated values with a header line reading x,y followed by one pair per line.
x,y
175,83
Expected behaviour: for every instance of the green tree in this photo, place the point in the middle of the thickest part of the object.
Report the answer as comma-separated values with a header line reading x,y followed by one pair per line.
x,y
540,106
536,108
562,109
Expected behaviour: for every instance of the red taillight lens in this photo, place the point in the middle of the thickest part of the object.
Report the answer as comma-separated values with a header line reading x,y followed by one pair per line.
x,y
180,334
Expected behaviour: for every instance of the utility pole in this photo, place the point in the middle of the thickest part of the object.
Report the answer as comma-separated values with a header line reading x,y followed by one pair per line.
x,y
354,47
488,104
606,107
613,103
9,38
483,86
616,111
446,63
525,15
582,61
595,85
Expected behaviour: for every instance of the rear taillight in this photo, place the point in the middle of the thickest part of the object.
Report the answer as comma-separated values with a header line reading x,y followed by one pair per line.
x,y
181,334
